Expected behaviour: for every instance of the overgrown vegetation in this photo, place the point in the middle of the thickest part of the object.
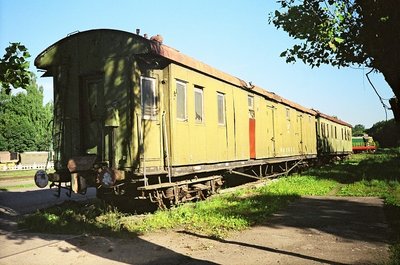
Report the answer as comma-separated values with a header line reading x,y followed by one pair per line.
x,y
361,175
344,33
24,120
14,67
385,133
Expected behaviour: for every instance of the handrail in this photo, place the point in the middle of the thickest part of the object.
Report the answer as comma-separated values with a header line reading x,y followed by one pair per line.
x,y
166,146
141,139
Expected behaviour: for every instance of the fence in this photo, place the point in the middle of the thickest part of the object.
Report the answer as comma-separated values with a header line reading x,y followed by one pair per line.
x,y
49,165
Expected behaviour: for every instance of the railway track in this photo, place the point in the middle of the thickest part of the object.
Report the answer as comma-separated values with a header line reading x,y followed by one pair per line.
x,y
19,178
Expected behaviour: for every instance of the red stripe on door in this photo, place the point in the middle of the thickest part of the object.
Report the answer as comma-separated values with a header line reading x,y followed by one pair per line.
x,y
252,138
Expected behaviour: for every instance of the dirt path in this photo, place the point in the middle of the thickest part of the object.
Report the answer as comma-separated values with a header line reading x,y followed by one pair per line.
x,y
312,230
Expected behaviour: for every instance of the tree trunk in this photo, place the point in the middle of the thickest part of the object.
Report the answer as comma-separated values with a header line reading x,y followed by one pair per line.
x,y
381,35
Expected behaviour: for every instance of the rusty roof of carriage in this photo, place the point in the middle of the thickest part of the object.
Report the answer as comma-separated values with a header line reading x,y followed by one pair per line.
x,y
178,57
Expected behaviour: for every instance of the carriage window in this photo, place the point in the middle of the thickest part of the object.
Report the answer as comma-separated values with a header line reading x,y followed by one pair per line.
x,y
221,108
335,133
288,114
198,104
250,103
149,98
327,130
181,101
92,89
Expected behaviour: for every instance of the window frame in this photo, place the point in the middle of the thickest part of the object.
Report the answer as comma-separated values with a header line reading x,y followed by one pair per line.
x,y
250,105
222,113
287,113
153,109
250,102
185,114
198,90
327,130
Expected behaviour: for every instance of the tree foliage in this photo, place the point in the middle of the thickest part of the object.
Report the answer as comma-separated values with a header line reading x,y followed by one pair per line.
x,y
358,129
386,133
24,121
14,67
328,31
343,33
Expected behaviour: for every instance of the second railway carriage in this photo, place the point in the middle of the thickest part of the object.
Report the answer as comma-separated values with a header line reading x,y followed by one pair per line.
x,y
133,116
333,136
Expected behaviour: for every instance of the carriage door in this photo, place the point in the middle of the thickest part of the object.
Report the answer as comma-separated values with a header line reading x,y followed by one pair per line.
x,y
300,128
271,130
150,124
91,116
252,127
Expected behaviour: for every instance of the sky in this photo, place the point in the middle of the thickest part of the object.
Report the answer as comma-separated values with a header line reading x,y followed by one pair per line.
x,y
232,36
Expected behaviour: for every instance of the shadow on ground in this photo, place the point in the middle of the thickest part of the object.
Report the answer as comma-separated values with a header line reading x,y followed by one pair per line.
x,y
346,219
37,248
18,246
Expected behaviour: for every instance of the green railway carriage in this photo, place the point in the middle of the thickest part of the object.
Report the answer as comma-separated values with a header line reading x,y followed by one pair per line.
x,y
134,116
334,136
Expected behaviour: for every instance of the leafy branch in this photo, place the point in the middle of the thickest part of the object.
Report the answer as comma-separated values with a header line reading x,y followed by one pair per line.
x,y
14,67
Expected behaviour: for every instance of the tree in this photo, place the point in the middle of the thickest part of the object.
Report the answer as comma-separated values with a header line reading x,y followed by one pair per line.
x,y
24,121
344,33
386,133
14,68
358,129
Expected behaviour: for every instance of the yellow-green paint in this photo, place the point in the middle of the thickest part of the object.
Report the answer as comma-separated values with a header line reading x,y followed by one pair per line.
x,y
140,143
209,142
333,137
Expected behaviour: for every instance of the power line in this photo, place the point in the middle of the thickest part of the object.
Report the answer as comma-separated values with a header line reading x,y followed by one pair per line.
x,y
385,107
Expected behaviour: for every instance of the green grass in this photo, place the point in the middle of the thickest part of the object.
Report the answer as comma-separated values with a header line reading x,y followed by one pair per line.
x,y
72,217
299,185
215,217
360,175
370,175
17,173
21,173
16,187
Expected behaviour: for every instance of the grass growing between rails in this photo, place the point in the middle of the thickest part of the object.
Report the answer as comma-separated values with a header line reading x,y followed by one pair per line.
x,y
361,175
